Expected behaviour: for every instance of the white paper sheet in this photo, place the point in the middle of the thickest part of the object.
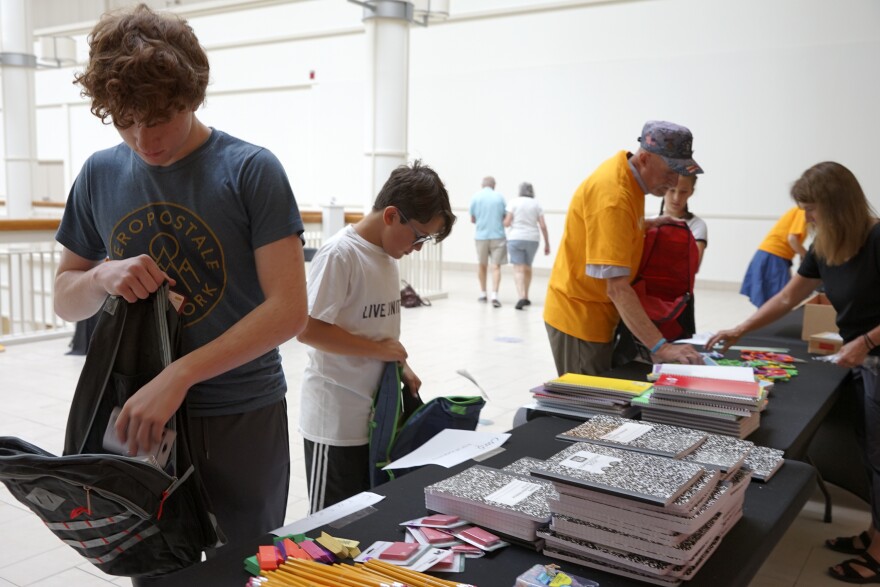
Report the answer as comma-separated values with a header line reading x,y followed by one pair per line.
x,y
450,447
700,338
330,514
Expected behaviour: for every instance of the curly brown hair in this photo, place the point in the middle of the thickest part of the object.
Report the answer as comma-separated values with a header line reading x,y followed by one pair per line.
x,y
143,68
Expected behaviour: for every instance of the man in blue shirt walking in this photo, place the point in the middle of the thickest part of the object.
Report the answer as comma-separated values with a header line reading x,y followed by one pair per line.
x,y
487,212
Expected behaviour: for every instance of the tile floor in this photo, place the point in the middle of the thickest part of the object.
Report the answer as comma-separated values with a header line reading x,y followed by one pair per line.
x,y
504,349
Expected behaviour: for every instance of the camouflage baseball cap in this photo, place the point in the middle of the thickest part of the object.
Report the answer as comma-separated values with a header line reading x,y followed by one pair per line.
x,y
672,142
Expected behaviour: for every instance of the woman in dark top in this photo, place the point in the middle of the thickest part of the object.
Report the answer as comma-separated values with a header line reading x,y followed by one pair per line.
x,y
845,258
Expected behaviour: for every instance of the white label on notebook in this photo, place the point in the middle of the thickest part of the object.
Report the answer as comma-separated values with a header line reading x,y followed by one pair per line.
x,y
514,492
627,432
588,461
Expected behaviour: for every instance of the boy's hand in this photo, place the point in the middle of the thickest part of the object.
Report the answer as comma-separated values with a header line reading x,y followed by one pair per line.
x,y
391,350
145,414
134,279
411,380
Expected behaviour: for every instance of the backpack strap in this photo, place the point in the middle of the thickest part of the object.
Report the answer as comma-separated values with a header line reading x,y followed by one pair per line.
x,y
387,407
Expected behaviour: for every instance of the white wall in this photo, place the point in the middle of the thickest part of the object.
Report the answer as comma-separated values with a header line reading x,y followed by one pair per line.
x,y
543,92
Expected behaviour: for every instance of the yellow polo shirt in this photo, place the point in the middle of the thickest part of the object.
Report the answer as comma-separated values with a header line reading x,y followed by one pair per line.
x,y
776,242
605,225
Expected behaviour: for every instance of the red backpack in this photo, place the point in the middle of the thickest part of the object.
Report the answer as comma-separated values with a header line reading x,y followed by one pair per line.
x,y
665,281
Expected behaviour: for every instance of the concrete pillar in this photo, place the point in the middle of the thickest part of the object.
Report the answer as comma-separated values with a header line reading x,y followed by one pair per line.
x,y
19,111
387,101
332,220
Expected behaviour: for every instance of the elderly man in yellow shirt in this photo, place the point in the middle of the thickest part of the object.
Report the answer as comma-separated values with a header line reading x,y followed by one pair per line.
x,y
589,290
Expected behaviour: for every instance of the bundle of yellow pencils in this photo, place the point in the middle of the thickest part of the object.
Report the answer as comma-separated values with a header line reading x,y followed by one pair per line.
x,y
373,573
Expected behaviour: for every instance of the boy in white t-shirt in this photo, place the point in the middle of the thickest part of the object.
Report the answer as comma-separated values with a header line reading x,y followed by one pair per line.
x,y
354,327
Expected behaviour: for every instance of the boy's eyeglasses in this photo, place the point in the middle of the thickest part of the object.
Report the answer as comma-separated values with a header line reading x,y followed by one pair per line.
x,y
420,238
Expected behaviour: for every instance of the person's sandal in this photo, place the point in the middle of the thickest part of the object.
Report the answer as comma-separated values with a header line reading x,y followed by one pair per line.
x,y
847,544
851,575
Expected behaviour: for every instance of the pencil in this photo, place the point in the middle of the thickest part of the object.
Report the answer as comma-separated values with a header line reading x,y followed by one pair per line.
x,y
274,578
326,573
409,576
424,578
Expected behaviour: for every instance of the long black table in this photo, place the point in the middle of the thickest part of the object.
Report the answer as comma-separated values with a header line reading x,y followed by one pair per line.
x,y
769,510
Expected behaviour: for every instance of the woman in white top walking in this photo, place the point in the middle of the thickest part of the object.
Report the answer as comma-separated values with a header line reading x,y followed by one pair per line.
x,y
524,218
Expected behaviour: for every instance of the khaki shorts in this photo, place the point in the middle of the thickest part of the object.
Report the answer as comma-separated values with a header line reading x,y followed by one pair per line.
x,y
494,249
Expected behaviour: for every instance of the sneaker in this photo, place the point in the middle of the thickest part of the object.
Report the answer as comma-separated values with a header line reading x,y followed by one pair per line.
x,y
482,299
521,304
496,304
526,302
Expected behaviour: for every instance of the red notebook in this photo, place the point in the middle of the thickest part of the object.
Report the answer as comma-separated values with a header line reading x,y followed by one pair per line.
x,y
720,389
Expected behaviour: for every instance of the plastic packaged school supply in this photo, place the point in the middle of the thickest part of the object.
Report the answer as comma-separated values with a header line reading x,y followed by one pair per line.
x,y
551,576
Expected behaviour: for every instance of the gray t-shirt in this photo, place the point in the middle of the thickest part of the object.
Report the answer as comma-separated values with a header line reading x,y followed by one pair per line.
x,y
201,219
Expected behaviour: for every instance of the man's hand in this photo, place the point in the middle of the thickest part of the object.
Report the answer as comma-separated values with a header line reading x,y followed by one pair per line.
x,y
678,353
134,278
661,220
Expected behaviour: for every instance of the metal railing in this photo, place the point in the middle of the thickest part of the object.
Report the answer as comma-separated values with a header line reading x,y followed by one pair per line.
x,y
423,271
28,261
27,279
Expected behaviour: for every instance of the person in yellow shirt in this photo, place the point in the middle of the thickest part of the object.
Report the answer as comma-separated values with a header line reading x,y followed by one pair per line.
x,y
589,290
770,269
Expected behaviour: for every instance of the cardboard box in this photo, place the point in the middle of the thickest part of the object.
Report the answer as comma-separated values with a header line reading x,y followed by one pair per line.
x,y
819,317
825,343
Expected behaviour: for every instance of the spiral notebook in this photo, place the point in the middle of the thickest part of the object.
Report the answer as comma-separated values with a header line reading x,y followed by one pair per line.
x,y
720,390
606,386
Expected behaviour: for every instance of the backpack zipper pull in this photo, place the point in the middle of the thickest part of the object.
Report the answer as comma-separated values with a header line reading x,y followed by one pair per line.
x,y
88,500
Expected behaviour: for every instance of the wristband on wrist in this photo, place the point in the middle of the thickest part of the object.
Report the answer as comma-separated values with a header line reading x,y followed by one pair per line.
x,y
868,342
657,346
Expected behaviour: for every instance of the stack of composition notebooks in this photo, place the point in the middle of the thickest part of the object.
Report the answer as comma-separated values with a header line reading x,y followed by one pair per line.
x,y
714,451
588,395
723,406
635,514
506,501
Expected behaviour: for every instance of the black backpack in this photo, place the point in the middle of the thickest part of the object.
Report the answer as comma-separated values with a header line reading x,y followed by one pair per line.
x,y
400,422
126,516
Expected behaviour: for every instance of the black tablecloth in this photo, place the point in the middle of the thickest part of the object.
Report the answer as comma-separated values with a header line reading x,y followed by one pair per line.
x,y
797,407
769,510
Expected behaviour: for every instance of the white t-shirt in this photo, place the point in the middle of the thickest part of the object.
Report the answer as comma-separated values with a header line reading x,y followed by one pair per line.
x,y
524,227
699,229
356,286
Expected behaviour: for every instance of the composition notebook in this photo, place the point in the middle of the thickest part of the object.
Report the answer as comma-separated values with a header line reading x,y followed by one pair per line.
x,y
629,474
658,439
